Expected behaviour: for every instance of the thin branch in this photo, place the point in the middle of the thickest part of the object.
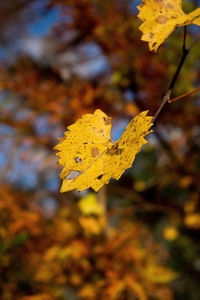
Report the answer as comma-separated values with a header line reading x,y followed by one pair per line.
x,y
165,100
184,95
176,163
185,53
175,77
166,97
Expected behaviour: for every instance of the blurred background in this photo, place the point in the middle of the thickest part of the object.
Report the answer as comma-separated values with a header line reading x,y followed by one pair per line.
x,y
137,238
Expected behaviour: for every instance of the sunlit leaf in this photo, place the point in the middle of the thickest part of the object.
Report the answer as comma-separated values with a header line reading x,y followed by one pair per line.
x,y
88,155
161,17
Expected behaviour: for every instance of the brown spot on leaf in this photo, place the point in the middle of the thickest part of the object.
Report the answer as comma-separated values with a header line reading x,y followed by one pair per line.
x,y
95,151
119,151
151,35
169,5
115,150
161,19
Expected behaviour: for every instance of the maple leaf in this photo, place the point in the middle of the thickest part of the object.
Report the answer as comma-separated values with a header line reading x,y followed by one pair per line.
x,y
88,155
161,17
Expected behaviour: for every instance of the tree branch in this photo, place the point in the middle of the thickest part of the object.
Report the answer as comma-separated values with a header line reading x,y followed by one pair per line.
x,y
185,53
166,97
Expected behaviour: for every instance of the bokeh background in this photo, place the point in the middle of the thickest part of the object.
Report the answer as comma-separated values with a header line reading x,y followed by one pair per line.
x,y
138,238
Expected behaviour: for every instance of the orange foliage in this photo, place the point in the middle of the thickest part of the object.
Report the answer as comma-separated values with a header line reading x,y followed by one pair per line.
x,y
103,265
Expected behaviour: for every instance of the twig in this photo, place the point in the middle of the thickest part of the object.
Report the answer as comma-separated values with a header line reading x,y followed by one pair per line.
x,y
184,95
166,97
164,102
185,53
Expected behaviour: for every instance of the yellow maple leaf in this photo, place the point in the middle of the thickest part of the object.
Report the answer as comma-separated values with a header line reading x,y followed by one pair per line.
x,y
88,155
161,17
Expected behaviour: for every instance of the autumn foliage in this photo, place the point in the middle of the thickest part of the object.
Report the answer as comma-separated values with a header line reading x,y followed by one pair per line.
x,y
66,249
66,66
